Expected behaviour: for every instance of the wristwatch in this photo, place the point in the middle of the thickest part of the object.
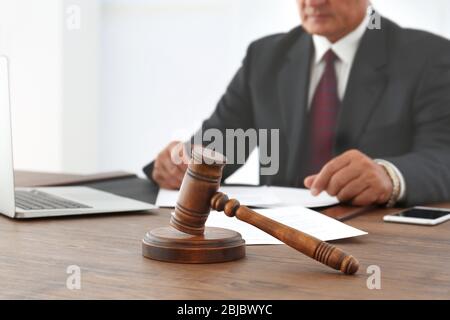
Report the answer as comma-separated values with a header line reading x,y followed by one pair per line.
x,y
395,183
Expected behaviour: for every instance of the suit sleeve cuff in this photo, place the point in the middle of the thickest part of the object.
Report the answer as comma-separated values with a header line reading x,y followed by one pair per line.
x,y
148,170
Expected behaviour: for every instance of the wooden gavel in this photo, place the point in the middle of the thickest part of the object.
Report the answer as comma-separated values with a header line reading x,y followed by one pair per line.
x,y
198,195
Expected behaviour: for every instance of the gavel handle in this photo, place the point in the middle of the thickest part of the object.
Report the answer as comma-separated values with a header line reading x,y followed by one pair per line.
x,y
305,243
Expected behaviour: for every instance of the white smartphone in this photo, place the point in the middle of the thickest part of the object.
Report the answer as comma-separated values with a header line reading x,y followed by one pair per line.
x,y
420,215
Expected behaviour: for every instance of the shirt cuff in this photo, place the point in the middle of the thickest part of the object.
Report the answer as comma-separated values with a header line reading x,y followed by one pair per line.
x,y
401,179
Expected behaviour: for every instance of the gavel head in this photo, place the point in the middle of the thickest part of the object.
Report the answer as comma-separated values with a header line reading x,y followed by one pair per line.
x,y
200,183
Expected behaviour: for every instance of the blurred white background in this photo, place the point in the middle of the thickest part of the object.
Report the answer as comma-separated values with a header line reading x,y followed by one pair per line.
x,y
101,85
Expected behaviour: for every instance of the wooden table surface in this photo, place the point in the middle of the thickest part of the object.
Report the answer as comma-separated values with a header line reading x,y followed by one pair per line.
x,y
34,256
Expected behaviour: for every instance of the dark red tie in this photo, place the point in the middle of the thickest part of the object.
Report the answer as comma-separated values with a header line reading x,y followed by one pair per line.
x,y
323,116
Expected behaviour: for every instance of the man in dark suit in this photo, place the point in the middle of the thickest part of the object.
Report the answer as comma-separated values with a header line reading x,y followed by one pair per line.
x,y
363,113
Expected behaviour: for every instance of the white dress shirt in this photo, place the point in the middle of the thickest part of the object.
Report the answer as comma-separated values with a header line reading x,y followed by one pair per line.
x,y
345,49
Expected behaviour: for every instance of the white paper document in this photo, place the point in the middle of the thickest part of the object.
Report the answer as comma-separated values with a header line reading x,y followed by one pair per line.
x,y
300,218
166,198
247,196
260,196
302,197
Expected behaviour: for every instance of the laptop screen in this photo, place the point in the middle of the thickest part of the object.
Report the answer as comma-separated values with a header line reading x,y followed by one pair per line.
x,y
7,203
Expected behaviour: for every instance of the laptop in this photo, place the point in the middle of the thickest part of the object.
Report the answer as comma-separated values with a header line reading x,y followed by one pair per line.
x,y
49,201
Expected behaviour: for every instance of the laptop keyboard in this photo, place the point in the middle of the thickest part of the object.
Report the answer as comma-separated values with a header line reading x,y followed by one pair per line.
x,y
38,200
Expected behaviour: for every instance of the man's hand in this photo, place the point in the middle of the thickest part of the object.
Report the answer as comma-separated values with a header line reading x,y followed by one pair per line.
x,y
170,166
353,177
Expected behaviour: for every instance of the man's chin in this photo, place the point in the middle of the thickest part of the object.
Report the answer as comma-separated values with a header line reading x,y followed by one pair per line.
x,y
318,31
319,26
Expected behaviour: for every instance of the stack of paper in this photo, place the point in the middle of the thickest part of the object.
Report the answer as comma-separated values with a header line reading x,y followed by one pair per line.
x,y
300,218
302,197
286,205
261,196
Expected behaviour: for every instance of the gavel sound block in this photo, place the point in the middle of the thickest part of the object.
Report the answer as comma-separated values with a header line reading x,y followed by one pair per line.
x,y
188,241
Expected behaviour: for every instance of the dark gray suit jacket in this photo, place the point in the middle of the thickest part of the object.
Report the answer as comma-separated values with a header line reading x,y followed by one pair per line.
x,y
396,105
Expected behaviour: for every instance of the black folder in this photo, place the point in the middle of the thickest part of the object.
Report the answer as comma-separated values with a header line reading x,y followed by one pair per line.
x,y
131,187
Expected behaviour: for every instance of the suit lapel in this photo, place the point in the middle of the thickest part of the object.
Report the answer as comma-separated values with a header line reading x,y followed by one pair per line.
x,y
366,83
293,84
